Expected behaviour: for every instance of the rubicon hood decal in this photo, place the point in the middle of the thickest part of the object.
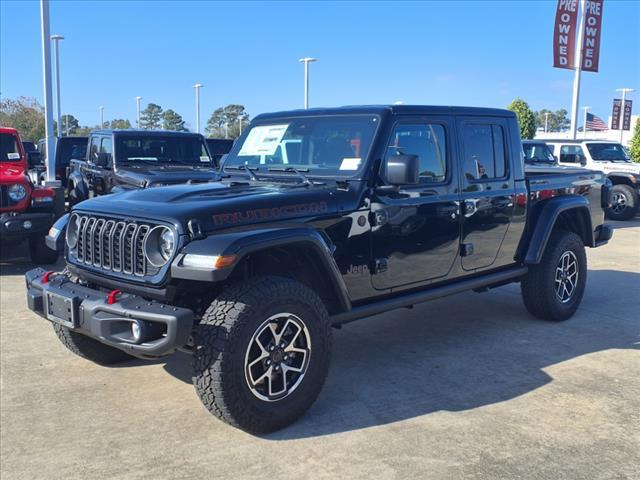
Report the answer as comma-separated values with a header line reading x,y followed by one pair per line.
x,y
274,213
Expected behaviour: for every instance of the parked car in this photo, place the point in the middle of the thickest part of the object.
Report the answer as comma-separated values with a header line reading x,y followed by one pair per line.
x,y
381,208
612,159
67,148
26,210
538,152
120,160
219,147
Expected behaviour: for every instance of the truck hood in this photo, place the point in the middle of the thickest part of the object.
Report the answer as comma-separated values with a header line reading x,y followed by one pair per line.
x,y
12,172
221,204
159,175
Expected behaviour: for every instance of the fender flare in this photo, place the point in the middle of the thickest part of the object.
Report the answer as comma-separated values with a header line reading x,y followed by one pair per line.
x,y
246,242
547,219
79,184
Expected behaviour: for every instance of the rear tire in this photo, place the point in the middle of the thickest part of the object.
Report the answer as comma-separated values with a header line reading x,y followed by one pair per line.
x,y
553,289
624,203
39,252
254,365
89,348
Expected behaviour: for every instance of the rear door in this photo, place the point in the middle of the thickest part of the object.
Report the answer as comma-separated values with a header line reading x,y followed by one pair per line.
x,y
488,189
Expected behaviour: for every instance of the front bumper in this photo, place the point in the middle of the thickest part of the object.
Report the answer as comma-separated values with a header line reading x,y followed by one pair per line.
x,y
164,328
13,224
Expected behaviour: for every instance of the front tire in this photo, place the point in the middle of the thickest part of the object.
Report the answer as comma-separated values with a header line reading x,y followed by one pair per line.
x,y
39,252
553,289
89,348
624,203
262,353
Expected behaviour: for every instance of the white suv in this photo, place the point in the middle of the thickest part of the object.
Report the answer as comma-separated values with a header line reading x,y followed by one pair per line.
x,y
610,158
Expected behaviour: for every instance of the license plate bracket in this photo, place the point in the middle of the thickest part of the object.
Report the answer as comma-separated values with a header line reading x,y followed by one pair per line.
x,y
61,309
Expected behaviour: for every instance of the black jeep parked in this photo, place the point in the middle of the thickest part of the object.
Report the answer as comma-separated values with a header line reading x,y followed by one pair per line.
x,y
119,160
323,216
66,149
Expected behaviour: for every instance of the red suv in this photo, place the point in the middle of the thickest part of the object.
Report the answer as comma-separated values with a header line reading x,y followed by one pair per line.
x,y
26,211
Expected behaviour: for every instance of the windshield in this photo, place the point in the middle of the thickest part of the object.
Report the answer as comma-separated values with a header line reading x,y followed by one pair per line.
x,y
320,146
612,152
9,151
165,150
537,152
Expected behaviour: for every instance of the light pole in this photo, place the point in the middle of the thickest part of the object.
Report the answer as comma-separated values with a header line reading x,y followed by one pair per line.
x,y
622,105
138,111
198,86
306,61
48,111
240,125
56,58
584,120
546,121
101,108
575,98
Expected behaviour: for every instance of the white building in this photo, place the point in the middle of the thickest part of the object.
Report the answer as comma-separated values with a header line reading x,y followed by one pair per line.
x,y
613,135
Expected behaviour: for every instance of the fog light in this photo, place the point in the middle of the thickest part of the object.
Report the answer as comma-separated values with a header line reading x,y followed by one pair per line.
x,y
136,331
27,224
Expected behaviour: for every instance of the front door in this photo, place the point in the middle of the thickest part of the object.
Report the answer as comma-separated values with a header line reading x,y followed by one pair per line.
x,y
416,229
488,189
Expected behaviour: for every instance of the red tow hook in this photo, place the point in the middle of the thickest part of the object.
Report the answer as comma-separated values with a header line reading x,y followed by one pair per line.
x,y
47,276
112,297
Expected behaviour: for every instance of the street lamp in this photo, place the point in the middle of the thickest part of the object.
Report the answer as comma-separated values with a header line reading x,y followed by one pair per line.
x,y
306,61
624,94
101,108
198,86
56,58
48,111
138,111
546,121
584,124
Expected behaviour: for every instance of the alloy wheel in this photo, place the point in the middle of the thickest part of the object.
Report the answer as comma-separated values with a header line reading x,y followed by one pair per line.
x,y
566,278
618,203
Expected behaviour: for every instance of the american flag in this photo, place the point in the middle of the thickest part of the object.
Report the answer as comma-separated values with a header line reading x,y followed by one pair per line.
x,y
595,123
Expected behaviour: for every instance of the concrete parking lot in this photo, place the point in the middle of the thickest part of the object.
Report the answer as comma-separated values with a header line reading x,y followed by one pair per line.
x,y
469,386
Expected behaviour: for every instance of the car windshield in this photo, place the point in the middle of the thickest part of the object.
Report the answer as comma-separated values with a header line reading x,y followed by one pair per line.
x,y
179,150
319,146
9,151
537,152
611,152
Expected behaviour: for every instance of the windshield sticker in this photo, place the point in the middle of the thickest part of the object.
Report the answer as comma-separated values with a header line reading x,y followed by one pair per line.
x,y
13,156
263,140
204,158
350,163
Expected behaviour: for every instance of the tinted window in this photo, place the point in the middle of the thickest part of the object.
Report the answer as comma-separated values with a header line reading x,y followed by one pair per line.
x,y
69,148
608,152
484,152
571,154
95,147
427,142
9,151
537,152
159,149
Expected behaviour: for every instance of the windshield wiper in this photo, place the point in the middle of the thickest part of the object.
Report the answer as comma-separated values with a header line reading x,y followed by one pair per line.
x,y
297,171
247,169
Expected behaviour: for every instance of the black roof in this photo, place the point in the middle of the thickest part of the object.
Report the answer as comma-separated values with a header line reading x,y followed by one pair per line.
x,y
391,109
140,131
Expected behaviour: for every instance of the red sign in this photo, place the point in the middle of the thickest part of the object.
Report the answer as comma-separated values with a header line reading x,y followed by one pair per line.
x,y
564,34
626,116
592,32
615,115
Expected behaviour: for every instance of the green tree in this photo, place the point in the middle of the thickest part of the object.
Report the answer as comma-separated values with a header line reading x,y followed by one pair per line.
x,y
119,123
24,114
634,145
227,122
172,120
558,121
151,117
526,118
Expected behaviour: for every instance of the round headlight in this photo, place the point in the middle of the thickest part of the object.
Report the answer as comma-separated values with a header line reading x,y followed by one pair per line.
x,y
159,246
73,229
17,192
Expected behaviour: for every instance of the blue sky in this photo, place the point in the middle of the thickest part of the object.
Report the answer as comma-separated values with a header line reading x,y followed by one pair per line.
x,y
444,53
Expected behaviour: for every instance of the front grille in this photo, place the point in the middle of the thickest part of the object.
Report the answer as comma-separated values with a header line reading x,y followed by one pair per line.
x,y
113,246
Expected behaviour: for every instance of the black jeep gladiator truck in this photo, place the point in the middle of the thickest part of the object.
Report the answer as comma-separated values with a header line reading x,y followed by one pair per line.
x,y
375,208
118,160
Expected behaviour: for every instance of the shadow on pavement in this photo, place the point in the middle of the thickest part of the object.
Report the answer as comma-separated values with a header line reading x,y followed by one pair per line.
x,y
15,260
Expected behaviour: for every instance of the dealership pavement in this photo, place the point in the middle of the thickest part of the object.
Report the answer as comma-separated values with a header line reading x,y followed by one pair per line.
x,y
469,386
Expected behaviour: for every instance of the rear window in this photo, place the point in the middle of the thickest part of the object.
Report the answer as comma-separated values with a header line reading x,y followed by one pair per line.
x,y
9,151
72,148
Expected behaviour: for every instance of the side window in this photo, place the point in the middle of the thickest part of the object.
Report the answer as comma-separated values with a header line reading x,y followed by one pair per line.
x,y
571,154
106,147
94,148
484,152
426,141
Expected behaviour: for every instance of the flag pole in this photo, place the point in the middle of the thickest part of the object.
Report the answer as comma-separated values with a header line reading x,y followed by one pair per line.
x,y
576,77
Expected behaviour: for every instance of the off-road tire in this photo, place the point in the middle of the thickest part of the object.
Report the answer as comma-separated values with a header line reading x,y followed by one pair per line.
x,y
39,252
223,336
89,348
630,199
538,286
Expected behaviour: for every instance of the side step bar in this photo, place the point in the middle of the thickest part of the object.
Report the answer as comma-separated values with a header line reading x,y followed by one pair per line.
x,y
361,311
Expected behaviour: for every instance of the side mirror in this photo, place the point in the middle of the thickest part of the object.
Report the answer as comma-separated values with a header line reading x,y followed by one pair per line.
x,y
34,158
582,160
403,169
103,160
